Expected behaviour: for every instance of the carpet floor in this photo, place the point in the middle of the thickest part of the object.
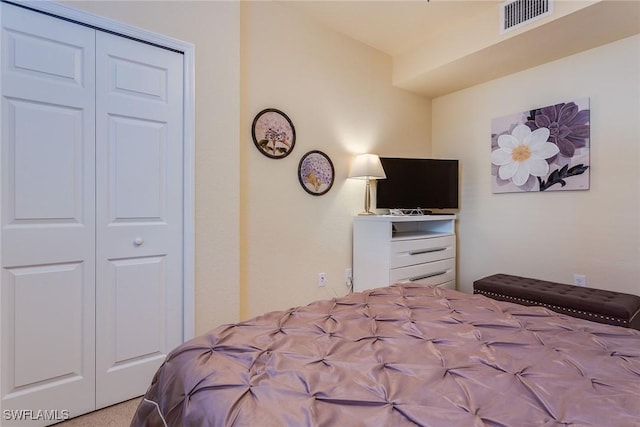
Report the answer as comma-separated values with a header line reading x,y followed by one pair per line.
x,y
113,416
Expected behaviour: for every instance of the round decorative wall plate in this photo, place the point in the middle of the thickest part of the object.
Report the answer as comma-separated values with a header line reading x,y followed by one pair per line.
x,y
316,173
273,133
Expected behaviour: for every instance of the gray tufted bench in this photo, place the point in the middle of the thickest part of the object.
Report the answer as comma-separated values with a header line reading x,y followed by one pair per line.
x,y
597,305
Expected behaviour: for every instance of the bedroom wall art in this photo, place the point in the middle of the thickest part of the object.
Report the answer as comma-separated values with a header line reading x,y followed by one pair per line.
x,y
545,149
316,173
273,133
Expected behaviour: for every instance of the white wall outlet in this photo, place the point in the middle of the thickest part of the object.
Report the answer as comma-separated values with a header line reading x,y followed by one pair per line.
x,y
322,280
579,280
348,277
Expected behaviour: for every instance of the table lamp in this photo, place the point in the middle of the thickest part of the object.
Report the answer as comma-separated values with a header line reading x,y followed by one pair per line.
x,y
367,167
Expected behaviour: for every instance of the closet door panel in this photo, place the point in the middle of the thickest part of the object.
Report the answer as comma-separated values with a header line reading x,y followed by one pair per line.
x,y
33,288
45,181
140,303
43,65
139,213
137,151
47,177
47,214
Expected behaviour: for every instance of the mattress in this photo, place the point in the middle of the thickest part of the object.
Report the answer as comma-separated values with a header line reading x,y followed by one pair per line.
x,y
403,355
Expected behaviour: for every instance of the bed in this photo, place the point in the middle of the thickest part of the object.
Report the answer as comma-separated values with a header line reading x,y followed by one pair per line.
x,y
403,355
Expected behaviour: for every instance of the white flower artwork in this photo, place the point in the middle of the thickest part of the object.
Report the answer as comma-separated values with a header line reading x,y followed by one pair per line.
x,y
544,149
523,153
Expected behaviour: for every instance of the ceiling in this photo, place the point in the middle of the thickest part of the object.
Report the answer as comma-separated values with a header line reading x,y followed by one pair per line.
x,y
392,26
411,31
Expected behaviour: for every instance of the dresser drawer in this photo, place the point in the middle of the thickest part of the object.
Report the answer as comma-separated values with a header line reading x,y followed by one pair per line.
x,y
419,251
447,285
431,273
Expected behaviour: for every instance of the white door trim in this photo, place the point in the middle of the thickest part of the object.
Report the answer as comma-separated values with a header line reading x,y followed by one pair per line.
x,y
188,50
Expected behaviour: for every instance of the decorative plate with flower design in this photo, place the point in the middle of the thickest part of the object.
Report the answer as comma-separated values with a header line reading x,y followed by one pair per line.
x,y
316,173
273,133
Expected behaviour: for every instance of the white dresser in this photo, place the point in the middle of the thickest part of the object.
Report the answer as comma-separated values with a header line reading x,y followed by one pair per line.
x,y
388,249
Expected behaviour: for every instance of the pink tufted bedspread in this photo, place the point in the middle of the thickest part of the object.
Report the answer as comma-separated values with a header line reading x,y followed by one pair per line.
x,y
402,356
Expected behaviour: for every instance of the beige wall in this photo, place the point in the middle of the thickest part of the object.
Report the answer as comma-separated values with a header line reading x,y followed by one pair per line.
x,y
552,235
338,94
260,239
214,29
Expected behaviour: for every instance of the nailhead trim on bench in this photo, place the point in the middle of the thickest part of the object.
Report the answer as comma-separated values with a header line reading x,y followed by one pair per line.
x,y
622,322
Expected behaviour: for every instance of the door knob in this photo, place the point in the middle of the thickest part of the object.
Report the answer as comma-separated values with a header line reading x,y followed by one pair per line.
x,y
138,241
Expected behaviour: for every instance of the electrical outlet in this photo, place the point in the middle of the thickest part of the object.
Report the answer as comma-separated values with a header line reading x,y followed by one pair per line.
x,y
322,280
579,280
348,277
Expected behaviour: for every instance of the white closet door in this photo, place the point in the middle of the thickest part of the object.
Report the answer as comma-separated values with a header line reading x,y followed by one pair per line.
x,y
139,137
47,215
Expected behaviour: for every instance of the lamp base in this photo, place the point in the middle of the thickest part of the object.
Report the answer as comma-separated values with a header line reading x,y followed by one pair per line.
x,y
367,200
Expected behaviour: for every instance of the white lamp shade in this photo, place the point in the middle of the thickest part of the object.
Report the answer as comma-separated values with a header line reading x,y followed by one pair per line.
x,y
367,166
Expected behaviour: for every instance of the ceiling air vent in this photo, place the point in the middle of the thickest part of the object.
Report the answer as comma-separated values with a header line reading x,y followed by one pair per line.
x,y
517,13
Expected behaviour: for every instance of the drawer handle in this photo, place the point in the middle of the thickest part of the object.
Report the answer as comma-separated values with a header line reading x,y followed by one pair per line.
x,y
427,251
426,276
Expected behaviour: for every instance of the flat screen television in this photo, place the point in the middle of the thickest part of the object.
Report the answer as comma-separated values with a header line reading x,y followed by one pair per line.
x,y
418,184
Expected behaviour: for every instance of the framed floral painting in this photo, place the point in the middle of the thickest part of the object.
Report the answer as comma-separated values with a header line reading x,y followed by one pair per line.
x,y
545,149
316,173
273,133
